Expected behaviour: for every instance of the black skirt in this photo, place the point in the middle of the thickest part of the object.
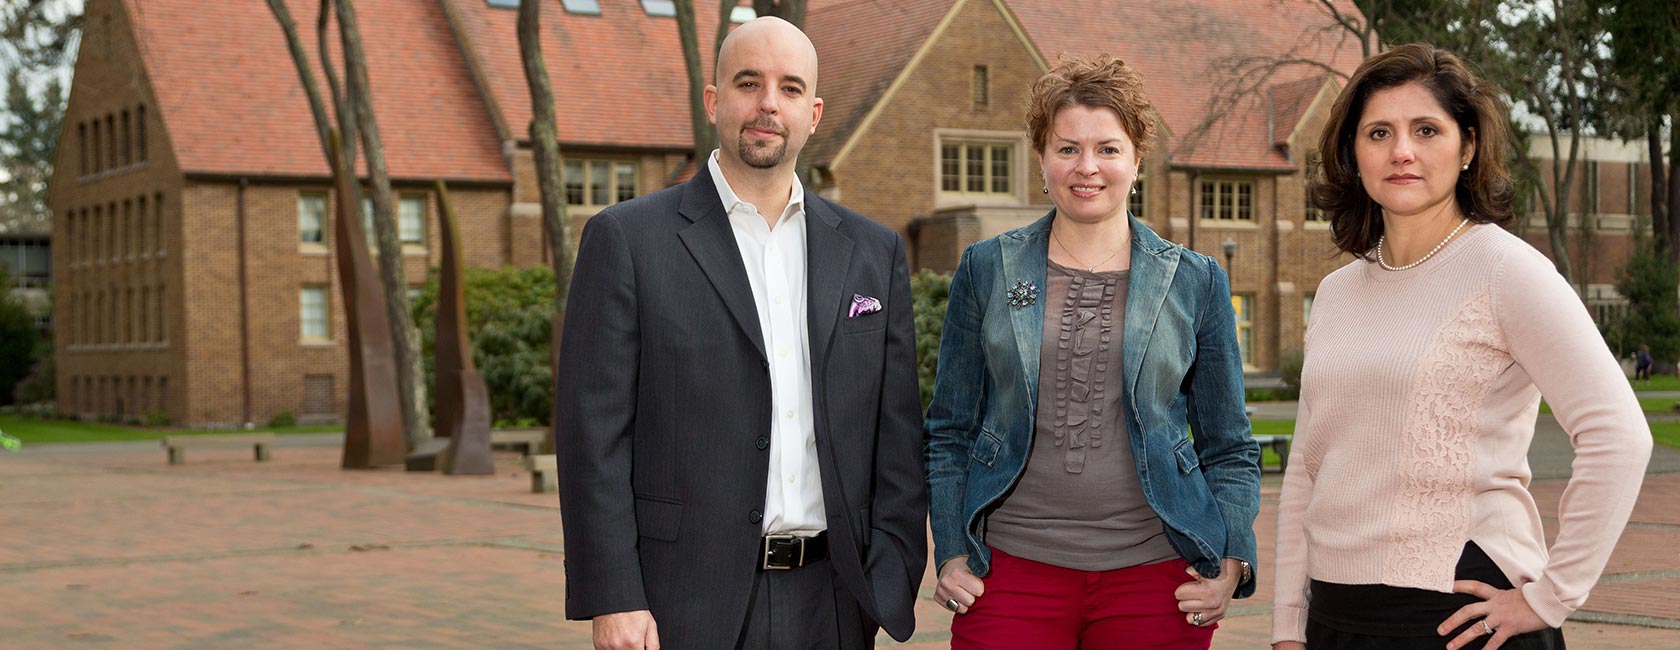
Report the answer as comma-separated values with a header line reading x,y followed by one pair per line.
x,y
1360,617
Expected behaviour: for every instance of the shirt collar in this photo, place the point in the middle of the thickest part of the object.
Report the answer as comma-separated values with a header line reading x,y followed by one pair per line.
x,y
796,194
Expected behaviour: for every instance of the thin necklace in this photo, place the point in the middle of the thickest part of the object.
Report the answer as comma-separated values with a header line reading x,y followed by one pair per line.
x,y
1420,260
1088,269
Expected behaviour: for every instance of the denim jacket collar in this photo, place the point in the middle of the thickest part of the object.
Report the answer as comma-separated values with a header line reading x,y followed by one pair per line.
x,y
1026,255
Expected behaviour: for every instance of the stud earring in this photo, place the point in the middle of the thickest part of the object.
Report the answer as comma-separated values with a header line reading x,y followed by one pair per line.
x,y
1465,168
1134,190
1046,189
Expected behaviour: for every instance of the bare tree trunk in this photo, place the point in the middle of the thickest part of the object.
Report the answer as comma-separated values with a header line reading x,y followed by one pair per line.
x,y
346,116
545,149
312,91
405,339
792,11
724,9
697,121
1660,228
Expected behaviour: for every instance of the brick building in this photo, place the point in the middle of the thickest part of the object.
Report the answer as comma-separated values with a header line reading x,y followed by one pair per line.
x,y
192,248
193,208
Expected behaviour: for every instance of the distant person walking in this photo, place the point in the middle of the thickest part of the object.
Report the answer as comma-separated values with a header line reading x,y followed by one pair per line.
x,y
1642,363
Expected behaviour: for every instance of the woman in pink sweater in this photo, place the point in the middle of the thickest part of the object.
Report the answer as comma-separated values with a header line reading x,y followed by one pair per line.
x,y
1405,519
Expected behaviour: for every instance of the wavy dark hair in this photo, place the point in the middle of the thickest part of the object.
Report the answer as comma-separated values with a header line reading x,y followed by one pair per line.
x,y
1484,192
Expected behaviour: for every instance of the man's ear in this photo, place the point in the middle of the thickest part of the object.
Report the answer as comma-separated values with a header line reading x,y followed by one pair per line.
x,y
816,113
709,98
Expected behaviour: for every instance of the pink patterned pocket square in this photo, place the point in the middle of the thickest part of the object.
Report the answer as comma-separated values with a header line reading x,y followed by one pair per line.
x,y
862,304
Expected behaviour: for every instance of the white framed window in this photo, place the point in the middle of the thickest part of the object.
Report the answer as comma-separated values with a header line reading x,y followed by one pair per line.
x,y
312,313
1228,200
312,218
1242,306
977,168
598,183
411,220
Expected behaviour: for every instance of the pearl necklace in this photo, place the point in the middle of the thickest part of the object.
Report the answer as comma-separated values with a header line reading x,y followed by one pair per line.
x,y
1425,258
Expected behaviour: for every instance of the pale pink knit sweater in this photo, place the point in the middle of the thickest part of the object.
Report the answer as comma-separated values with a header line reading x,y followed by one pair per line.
x,y
1418,402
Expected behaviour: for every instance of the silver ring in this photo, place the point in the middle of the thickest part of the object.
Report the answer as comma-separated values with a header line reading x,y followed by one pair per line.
x,y
1487,629
951,604
1196,619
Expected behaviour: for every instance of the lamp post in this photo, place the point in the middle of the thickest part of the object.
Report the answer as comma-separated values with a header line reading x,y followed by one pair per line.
x,y
1230,247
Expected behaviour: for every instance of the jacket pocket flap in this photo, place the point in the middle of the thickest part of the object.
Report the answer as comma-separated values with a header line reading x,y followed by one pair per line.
x,y
1185,450
658,519
985,448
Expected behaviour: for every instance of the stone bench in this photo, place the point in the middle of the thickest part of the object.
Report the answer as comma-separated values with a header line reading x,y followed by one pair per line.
x,y
1280,445
528,441
177,445
544,472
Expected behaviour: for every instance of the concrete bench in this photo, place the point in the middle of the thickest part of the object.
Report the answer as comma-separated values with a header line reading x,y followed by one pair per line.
x,y
544,472
528,441
177,445
1280,445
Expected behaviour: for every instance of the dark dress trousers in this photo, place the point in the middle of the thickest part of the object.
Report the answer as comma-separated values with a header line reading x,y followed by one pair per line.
x,y
663,417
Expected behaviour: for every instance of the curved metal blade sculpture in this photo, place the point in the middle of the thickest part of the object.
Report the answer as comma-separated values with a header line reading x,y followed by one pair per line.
x,y
373,434
463,403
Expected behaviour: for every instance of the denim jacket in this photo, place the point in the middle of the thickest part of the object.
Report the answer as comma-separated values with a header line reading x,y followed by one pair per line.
x,y
1182,372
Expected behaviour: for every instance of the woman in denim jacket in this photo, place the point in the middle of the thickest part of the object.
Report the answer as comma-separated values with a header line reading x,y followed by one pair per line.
x,y
1071,507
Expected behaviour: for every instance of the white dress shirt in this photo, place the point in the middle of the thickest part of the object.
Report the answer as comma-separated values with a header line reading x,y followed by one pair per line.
x,y
775,263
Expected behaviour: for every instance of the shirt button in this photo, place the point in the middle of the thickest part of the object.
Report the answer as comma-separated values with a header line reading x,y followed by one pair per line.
x,y
790,414
792,479
778,300
781,353
762,442
755,517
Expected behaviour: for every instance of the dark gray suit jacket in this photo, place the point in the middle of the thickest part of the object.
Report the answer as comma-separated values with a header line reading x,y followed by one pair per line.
x,y
663,416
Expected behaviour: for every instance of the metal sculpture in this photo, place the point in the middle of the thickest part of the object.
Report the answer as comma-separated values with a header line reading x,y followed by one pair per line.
x,y
463,404
373,434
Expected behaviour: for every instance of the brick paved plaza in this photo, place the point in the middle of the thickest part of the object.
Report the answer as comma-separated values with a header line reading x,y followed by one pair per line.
x,y
107,546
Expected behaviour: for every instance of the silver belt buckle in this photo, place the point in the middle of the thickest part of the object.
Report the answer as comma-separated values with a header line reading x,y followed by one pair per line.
x,y
764,562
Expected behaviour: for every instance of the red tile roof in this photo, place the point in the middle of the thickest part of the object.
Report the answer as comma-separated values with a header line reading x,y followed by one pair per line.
x,y
1289,103
618,77
231,102
1177,45
862,46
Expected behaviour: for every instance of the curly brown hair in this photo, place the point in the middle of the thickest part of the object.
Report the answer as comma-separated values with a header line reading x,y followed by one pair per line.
x,y
1484,192
1100,82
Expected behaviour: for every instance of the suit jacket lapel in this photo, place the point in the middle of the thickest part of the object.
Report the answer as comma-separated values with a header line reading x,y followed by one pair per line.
x,y
1153,265
712,243
828,255
1026,254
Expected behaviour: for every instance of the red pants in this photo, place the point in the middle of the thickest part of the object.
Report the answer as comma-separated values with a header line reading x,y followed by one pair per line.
x,y
1030,604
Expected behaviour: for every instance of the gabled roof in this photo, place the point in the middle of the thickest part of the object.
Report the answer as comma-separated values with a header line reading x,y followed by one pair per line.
x,y
1177,45
231,101
862,47
619,79
1288,104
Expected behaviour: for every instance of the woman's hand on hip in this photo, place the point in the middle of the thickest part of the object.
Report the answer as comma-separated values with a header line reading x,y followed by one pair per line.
x,y
1502,614
1203,600
958,586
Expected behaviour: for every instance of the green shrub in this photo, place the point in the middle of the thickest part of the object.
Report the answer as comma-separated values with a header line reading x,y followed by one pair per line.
x,y
18,339
929,292
158,420
282,419
1289,366
1649,282
509,324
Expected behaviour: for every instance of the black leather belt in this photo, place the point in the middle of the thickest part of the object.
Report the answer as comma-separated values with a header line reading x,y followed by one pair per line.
x,y
782,552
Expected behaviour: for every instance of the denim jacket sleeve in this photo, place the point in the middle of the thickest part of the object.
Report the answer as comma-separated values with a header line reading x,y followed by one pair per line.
x,y
954,416
1229,456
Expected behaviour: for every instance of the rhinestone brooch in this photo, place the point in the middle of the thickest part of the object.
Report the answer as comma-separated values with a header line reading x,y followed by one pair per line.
x,y
1022,294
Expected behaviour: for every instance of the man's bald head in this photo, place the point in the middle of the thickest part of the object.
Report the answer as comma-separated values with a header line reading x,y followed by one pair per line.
x,y
764,99
777,34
